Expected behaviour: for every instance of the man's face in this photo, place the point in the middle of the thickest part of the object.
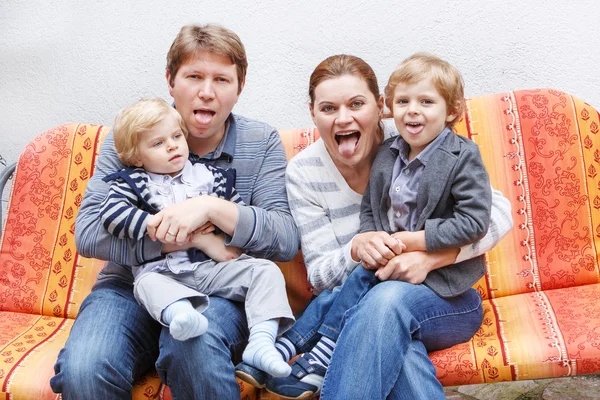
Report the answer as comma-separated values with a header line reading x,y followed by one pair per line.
x,y
205,89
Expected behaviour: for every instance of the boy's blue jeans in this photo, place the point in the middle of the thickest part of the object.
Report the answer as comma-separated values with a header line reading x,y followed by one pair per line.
x,y
325,315
384,336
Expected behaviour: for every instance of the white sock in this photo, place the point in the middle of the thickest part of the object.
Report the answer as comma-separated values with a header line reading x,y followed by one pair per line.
x,y
183,320
261,352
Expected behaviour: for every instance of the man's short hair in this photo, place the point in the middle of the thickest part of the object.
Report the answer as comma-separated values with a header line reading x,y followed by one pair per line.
x,y
212,38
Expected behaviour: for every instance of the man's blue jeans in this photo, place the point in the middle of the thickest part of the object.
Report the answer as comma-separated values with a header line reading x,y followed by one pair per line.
x,y
114,341
382,349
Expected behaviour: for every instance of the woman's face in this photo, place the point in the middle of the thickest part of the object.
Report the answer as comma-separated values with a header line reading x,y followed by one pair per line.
x,y
347,115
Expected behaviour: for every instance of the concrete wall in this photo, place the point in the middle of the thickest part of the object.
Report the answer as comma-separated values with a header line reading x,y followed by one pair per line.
x,y
64,61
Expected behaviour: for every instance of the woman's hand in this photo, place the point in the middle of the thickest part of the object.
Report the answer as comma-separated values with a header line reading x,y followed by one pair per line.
x,y
375,249
177,222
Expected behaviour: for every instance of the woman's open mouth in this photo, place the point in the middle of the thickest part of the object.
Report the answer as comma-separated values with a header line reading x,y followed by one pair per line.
x,y
347,142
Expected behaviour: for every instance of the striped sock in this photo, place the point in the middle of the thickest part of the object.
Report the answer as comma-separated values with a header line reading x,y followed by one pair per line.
x,y
323,351
286,348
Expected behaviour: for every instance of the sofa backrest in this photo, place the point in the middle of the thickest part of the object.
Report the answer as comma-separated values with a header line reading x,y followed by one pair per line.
x,y
40,269
541,149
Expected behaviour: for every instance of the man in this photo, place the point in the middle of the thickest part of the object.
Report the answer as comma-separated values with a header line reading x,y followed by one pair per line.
x,y
114,340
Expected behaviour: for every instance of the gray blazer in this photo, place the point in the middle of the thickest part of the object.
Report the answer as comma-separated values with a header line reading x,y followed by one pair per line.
x,y
453,203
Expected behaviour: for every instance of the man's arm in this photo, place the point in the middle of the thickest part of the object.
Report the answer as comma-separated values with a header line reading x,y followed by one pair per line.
x,y
266,228
91,238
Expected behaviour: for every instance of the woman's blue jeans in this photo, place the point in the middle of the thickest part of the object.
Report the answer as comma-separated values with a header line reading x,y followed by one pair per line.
x,y
382,349
114,341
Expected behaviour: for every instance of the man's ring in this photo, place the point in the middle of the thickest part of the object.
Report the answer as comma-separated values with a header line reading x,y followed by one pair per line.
x,y
169,233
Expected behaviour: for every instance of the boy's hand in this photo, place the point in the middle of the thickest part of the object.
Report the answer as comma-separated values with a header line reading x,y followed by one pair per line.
x,y
208,227
375,249
214,247
413,241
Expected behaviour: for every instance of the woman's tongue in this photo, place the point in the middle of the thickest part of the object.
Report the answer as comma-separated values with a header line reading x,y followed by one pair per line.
x,y
347,144
203,117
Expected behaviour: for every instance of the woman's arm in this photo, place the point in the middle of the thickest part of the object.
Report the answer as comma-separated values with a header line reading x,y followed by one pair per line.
x,y
327,257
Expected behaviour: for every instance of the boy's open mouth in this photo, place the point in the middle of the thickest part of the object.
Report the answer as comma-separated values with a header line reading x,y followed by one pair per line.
x,y
347,142
414,127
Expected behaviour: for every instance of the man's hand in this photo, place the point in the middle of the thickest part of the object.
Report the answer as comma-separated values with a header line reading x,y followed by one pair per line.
x,y
410,267
214,247
375,249
176,223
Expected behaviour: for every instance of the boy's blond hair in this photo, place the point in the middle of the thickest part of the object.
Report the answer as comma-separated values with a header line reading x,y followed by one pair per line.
x,y
134,120
444,76
213,38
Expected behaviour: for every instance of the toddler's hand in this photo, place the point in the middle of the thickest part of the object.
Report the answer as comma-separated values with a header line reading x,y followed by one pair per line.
x,y
208,227
214,247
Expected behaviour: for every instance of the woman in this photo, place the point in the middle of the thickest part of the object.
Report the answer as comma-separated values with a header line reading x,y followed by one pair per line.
x,y
382,349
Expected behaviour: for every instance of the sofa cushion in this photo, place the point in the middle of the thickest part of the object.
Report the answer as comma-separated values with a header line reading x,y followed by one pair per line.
x,y
533,335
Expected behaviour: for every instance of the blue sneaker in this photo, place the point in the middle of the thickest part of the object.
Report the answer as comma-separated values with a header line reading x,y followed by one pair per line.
x,y
304,382
251,375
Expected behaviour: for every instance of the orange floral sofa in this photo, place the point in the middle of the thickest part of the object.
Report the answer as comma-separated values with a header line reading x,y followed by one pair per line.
x,y
541,290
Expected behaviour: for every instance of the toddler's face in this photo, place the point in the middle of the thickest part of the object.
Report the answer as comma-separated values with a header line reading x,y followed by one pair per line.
x,y
163,149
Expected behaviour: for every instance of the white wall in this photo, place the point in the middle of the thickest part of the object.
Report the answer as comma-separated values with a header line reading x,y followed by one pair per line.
x,y
64,61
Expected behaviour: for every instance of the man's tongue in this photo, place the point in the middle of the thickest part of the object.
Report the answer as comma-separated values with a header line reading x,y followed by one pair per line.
x,y
347,144
203,117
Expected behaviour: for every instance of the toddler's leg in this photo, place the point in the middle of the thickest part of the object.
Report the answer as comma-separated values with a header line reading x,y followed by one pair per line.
x,y
286,348
261,352
184,320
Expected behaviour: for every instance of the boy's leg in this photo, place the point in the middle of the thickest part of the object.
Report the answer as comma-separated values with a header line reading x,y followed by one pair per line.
x,y
355,287
383,324
325,314
359,282
172,303
260,284
308,371
119,343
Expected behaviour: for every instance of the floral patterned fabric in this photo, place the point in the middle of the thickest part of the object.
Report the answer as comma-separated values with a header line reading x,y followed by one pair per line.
x,y
542,318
